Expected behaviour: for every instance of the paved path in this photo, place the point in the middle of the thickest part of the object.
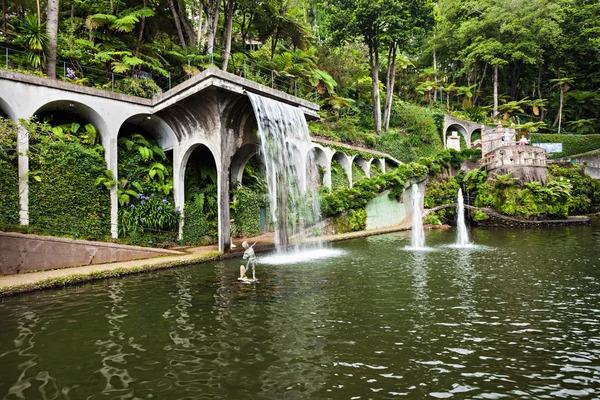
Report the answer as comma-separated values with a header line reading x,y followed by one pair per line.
x,y
21,283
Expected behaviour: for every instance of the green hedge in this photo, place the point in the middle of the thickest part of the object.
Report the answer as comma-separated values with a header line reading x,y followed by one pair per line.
x,y
245,211
339,178
9,193
572,144
197,229
62,183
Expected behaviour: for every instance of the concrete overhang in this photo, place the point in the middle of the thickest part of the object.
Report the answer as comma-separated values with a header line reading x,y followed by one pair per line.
x,y
210,78
214,77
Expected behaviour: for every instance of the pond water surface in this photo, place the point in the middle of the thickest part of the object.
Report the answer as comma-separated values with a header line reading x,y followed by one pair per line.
x,y
516,317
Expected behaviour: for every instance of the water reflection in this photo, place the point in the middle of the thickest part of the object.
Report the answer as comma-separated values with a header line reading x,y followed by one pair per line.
x,y
113,349
514,317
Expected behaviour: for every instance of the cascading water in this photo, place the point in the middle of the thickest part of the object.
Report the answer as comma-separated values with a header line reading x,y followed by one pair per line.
x,y
283,131
418,235
462,237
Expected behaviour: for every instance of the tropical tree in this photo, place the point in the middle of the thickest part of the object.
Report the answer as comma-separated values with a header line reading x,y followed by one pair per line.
x,y
563,84
52,32
32,36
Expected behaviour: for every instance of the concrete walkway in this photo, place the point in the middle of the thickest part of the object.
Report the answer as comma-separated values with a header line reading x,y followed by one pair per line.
x,y
27,282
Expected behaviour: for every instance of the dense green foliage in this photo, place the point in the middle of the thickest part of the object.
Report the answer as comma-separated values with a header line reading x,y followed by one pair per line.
x,y
343,198
62,184
339,178
568,191
245,211
197,228
9,178
571,144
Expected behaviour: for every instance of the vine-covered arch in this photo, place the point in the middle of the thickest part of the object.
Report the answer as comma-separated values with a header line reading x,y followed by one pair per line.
x,y
63,110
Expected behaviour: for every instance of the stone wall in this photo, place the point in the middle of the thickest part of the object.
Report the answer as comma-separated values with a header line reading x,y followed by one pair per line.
x,y
384,212
528,163
24,253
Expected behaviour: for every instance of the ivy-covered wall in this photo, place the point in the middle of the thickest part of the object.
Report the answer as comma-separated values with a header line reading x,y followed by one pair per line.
x,y
63,183
197,228
339,178
245,211
9,175
9,193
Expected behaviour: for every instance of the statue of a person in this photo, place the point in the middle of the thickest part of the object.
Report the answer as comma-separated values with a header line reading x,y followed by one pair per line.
x,y
251,257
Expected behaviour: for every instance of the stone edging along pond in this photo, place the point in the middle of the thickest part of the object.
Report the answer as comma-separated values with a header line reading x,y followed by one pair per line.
x,y
104,272
60,278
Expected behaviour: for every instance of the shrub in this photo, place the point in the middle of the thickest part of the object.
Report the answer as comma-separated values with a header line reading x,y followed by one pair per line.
x,y
146,88
245,210
197,229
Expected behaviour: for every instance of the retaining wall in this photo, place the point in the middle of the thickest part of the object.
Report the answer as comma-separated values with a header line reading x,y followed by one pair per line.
x,y
24,253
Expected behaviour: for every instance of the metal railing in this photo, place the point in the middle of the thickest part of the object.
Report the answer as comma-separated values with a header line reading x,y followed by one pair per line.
x,y
76,228
106,79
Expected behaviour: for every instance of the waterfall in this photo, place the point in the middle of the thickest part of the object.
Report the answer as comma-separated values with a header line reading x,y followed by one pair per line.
x,y
462,237
418,235
283,135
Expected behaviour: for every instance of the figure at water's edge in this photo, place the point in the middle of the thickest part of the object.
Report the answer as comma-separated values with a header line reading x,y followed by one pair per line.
x,y
251,257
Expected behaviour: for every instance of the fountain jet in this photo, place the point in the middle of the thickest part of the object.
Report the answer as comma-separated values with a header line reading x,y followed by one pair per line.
x,y
418,235
462,237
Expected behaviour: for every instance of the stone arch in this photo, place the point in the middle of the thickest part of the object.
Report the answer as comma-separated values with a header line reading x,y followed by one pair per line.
x,y
82,111
378,163
6,111
208,156
346,162
185,157
362,164
315,158
154,126
240,159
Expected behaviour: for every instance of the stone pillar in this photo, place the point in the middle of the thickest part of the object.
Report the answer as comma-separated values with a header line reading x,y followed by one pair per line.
x,y
224,216
178,185
327,176
23,168
112,164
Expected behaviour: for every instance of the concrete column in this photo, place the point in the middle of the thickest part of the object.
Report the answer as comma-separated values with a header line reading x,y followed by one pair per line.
x,y
23,168
178,184
327,177
110,156
224,216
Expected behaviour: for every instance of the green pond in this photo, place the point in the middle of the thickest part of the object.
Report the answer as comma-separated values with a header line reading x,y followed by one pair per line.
x,y
515,317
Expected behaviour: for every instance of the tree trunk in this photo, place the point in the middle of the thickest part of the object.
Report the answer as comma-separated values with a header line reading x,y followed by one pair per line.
x,y
212,22
480,83
177,24
434,72
39,13
495,112
141,33
539,91
390,78
374,63
4,18
186,23
200,38
230,7
560,107
52,32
